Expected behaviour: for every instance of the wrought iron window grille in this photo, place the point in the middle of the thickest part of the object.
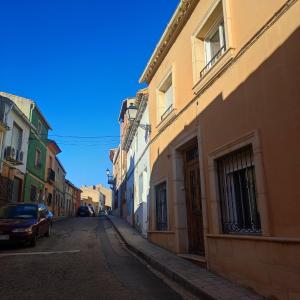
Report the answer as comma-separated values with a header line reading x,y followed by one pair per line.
x,y
237,191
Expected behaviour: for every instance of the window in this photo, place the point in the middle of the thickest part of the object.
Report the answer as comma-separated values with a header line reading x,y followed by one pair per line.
x,y
16,138
40,196
161,206
237,190
49,199
37,158
39,128
209,41
33,193
141,188
50,162
214,46
165,97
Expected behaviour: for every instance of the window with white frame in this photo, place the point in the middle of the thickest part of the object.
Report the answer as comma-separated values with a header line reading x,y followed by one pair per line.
x,y
215,43
165,97
161,206
209,42
237,192
16,138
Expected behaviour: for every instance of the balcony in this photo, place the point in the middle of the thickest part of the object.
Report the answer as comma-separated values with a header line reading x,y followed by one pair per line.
x,y
14,156
51,175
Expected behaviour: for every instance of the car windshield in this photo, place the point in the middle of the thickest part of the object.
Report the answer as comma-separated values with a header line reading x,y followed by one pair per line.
x,y
18,212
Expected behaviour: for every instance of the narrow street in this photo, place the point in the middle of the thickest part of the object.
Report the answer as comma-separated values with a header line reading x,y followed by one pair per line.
x,y
83,259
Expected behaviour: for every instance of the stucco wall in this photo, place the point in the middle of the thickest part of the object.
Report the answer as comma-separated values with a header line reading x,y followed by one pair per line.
x,y
257,93
12,118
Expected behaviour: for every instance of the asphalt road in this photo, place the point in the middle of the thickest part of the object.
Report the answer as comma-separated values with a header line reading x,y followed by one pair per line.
x,y
83,259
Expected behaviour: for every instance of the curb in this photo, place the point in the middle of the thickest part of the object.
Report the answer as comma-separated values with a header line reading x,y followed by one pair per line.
x,y
163,269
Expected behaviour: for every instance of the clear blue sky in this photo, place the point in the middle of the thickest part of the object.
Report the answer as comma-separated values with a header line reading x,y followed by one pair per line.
x,y
78,59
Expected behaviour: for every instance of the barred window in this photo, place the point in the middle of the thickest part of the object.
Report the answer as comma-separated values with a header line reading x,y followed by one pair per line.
x,y
33,193
161,206
237,190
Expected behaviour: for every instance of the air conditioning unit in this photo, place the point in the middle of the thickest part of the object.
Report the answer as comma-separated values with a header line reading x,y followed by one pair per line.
x,y
10,153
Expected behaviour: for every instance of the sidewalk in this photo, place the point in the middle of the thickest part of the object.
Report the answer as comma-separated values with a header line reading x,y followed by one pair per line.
x,y
197,280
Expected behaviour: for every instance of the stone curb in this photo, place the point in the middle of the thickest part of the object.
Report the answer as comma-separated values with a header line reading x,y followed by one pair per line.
x,y
202,283
163,268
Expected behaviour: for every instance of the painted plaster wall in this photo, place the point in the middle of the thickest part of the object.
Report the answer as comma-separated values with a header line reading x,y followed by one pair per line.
x,y
259,92
138,163
60,175
34,145
31,181
89,192
12,118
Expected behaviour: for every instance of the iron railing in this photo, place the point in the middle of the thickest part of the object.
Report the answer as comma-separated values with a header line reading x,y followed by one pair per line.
x,y
212,61
161,207
167,111
237,190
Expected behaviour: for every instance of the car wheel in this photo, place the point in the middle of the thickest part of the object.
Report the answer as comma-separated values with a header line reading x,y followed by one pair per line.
x,y
48,233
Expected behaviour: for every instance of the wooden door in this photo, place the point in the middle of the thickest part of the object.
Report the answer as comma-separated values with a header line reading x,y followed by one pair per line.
x,y
193,201
17,190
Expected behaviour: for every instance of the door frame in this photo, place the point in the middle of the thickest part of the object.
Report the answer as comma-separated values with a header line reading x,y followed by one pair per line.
x,y
20,189
194,164
182,142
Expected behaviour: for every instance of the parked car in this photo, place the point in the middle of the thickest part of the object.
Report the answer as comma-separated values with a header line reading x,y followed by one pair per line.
x,y
84,211
25,222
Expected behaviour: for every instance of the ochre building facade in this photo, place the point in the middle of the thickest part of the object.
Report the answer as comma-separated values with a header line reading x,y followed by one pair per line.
x,y
223,87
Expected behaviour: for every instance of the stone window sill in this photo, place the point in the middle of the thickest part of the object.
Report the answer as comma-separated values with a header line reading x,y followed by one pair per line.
x,y
214,70
254,238
166,120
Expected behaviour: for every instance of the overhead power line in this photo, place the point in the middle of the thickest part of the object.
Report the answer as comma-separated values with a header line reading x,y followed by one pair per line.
x,y
84,137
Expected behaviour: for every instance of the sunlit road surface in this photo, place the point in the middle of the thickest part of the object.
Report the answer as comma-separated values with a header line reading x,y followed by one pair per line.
x,y
83,259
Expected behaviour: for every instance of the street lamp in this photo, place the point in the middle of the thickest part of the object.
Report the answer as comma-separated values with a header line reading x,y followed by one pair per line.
x,y
131,113
110,179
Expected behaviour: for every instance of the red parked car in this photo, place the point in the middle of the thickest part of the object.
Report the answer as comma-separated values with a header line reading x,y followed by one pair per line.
x,y
24,222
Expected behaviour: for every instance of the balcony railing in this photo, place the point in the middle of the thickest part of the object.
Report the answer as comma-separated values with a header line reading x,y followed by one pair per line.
x,y
167,111
212,61
51,175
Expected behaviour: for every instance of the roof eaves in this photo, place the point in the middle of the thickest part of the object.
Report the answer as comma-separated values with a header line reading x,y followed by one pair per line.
x,y
173,29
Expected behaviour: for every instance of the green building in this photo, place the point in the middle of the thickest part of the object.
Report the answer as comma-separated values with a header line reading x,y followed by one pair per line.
x,y
35,179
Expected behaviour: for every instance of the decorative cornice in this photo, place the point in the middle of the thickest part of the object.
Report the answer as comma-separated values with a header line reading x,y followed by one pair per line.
x,y
177,22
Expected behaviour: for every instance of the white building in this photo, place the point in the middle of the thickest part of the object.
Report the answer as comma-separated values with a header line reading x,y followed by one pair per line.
x,y
14,148
136,142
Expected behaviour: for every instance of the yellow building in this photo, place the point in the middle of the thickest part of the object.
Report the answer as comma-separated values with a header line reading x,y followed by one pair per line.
x,y
223,87
51,175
